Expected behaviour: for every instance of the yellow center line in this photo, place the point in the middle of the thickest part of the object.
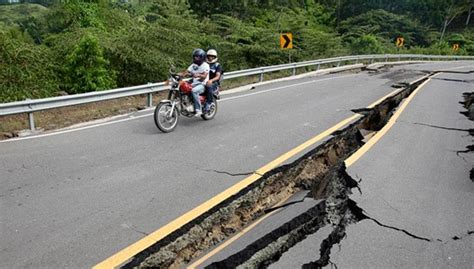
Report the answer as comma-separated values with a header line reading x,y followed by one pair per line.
x,y
394,93
354,157
129,252
305,145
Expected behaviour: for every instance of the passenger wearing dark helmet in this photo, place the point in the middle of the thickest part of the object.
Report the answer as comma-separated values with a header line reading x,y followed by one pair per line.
x,y
199,70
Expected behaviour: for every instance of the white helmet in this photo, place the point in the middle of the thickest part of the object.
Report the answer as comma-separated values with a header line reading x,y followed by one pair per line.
x,y
213,56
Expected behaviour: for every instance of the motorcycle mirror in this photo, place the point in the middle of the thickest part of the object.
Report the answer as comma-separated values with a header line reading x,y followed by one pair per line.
x,y
172,69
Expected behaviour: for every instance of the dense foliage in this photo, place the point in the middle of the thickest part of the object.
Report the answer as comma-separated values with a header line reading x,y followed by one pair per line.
x,y
49,47
85,69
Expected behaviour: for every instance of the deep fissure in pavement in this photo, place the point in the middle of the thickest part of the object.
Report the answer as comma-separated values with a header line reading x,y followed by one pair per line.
x,y
268,248
468,104
249,204
336,210
318,171
341,212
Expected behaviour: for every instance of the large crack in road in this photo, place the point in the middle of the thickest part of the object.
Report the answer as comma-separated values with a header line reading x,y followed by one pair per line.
x,y
468,104
336,210
321,171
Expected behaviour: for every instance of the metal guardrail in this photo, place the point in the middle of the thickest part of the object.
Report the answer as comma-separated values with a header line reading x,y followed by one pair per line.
x,y
30,106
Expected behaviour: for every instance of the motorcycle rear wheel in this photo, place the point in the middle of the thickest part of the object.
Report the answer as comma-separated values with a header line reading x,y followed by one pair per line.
x,y
165,119
209,115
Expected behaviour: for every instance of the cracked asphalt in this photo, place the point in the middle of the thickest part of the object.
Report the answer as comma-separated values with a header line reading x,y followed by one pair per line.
x,y
74,199
413,179
416,189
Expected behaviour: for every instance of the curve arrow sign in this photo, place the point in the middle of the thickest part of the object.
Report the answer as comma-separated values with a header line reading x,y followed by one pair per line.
x,y
286,41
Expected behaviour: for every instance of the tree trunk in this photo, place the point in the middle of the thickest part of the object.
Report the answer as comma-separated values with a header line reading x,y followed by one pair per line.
x,y
444,29
469,16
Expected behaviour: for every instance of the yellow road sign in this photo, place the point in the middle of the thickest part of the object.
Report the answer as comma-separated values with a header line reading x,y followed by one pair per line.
x,y
455,46
399,42
286,41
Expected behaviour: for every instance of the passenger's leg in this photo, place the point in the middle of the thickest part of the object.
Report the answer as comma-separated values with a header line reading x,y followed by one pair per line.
x,y
216,91
210,95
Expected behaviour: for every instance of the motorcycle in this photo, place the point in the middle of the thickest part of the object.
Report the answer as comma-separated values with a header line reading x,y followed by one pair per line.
x,y
180,102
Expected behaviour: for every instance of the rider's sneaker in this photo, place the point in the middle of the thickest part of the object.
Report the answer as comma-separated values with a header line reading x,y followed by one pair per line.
x,y
198,113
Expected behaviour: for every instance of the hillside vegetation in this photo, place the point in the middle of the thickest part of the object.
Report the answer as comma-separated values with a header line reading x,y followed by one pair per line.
x,y
55,47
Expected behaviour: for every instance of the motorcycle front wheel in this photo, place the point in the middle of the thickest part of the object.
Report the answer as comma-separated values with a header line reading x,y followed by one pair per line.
x,y
165,118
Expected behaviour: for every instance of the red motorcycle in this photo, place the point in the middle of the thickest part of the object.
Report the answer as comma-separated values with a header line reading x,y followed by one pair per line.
x,y
180,102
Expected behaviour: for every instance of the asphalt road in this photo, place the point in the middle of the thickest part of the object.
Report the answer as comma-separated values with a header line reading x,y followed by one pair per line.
x,y
73,199
415,179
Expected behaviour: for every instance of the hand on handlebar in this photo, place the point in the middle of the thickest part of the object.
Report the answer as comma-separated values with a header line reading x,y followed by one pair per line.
x,y
183,74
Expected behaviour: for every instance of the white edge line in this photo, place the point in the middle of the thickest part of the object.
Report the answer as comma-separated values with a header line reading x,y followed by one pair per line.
x,y
73,129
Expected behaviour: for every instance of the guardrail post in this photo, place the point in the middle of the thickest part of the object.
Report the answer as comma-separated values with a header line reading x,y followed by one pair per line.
x,y
339,63
261,76
318,66
31,121
149,99
372,61
294,71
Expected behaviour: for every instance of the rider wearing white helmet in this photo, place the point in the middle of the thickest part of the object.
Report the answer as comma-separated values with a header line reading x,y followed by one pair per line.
x,y
215,75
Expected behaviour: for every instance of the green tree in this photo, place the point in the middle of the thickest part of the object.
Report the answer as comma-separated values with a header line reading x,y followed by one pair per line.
x,y
25,68
385,25
86,69
74,14
33,27
366,44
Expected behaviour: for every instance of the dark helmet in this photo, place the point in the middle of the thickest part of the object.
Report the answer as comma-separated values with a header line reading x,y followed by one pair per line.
x,y
199,56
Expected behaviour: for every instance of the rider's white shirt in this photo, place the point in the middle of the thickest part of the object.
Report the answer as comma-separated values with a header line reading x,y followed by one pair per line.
x,y
194,68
